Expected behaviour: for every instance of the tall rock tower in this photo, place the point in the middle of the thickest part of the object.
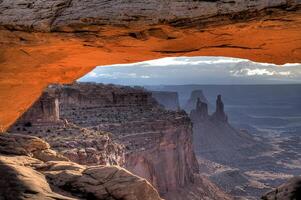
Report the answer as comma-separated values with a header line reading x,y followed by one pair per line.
x,y
219,114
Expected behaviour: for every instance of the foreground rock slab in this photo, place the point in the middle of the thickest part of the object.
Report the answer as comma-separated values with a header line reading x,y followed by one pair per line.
x,y
24,176
287,191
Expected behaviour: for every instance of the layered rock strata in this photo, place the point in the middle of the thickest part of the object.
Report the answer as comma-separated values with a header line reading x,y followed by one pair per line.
x,y
158,142
80,145
31,170
45,42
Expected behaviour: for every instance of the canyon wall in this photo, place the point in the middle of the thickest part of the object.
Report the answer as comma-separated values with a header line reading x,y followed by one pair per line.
x,y
30,169
216,140
46,109
156,144
170,100
80,145
195,96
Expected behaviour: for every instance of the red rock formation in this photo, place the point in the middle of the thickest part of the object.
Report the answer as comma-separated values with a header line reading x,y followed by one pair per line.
x,y
219,114
31,170
192,101
158,143
45,109
100,33
287,191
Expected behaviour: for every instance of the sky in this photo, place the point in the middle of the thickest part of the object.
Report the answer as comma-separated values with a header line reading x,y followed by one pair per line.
x,y
195,70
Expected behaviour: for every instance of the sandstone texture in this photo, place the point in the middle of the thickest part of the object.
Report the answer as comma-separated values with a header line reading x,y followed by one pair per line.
x,y
80,145
43,42
287,191
76,15
52,176
156,144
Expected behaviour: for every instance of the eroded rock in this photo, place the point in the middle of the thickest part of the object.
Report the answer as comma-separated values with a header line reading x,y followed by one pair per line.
x,y
158,142
24,176
192,101
287,191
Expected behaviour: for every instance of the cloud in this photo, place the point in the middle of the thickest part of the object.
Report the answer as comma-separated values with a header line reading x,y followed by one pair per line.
x,y
171,61
258,69
196,70
258,72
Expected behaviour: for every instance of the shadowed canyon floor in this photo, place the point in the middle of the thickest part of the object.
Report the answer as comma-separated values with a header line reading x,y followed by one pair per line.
x,y
31,57
246,163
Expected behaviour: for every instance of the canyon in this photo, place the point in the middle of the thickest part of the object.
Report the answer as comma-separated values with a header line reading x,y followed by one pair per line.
x,y
105,124
242,163
182,156
59,41
47,42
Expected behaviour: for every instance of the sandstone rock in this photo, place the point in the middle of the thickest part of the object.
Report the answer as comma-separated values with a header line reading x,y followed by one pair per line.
x,y
216,140
287,191
155,139
65,15
22,182
80,145
192,101
158,142
30,60
201,111
24,177
46,108
219,114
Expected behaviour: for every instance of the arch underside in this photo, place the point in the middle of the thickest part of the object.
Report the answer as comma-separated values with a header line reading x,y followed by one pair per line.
x,y
29,61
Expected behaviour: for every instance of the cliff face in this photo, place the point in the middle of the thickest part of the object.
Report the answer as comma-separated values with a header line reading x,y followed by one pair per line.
x,y
219,115
170,100
44,42
76,15
200,113
31,170
170,163
289,190
80,145
216,140
195,96
158,143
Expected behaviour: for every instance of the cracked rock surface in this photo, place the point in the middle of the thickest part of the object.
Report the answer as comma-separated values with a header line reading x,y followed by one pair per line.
x,y
25,176
43,42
